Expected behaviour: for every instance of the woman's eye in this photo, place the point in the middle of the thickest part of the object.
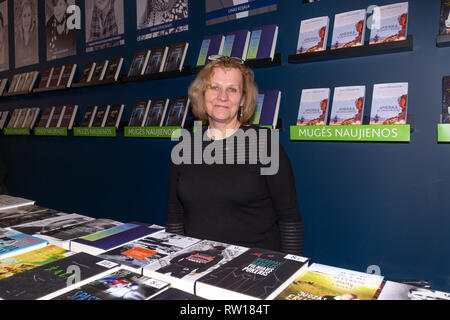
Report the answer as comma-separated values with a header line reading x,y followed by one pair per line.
x,y
233,90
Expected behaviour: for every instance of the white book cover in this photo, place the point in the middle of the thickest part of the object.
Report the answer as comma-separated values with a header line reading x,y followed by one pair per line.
x,y
348,105
313,109
349,29
313,35
9,202
390,23
389,103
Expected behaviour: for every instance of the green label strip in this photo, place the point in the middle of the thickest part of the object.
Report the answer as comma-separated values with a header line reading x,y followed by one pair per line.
x,y
94,132
16,131
62,132
152,132
443,132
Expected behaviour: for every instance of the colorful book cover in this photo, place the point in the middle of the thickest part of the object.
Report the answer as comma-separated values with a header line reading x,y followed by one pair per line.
x,y
389,103
139,113
263,41
348,105
267,106
446,99
175,56
393,23
157,112
313,109
211,45
157,60
176,114
313,35
13,243
390,290
321,282
349,29
236,44
444,21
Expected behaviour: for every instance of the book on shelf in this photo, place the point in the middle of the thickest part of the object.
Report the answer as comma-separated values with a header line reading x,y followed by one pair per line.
x,y
119,285
267,106
313,109
176,294
446,99
139,62
14,243
53,279
87,72
177,111
56,76
32,117
100,70
88,117
56,119
390,290
22,117
211,45
68,117
45,78
139,113
236,44
184,268
46,116
391,23
263,41
101,116
30,80
13,84
257,274
14,115
3,84
157,59
67,75
157,112
24,214
313,35
444,19
143,252
115,116
3,119
20,81
322,282
348,105
175,56
106,240
349,29
114,69
10,202
389,103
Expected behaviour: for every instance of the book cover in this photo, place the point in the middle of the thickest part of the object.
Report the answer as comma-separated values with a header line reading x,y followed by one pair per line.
x,y
175,56
46,116
101,116
139,113
87,72
391,290
20,81
67,75
69,117
45,78
177,111
120,285
185,267
313,35
3,83
13,84
267,106
349,29
321,282
393,23
389,103
236,44
263,41
157,112
175,294
88,117
139,63
30,79
348,105
50,280
31,119
12,121
24,214
57,116
257,274
23,115
313,109
446,99
56,76
115,116
100,70
3,119
444,21
211,45
14,243
157,59
114,69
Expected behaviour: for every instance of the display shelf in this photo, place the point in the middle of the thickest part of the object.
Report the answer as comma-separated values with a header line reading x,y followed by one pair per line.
x,y
152,132
186,71
20,93
353,52
39,90
94,132
443,41
93,83
264,63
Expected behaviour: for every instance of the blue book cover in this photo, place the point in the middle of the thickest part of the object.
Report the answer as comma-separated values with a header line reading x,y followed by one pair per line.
x,y
267,106
348,105
393,23
176,56
157,112
139,113
176,114
236,44
139,62
348,30
263,40
14,243
211,45
157,59
313,35
389,103
313,109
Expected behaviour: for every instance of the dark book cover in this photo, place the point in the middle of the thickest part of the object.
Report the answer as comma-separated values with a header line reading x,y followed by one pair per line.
x,y
157,59
57,72
99,71
69,116
115,115
446,99
262,42
114,69
46,74
86,74
236,44
156,112
52,223
269,110
175,56
176,113
211,45
138,63
56,116
444,21
67,75
138,114
89,114
101,116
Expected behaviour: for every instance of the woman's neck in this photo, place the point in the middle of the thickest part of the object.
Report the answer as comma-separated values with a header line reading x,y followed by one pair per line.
x,y
218,131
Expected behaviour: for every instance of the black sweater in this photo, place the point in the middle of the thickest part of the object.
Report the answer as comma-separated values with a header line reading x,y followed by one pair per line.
x,y
234,203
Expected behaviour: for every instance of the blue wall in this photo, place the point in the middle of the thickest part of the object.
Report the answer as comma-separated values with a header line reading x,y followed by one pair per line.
x,y
362,203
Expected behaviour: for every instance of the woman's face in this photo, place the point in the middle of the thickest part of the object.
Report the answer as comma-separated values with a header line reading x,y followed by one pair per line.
x,y
59,9
101,4
224,95
26,18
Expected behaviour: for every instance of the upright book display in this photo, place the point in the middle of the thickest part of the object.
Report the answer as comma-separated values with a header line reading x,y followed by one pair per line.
x,y
313,109
348,105
349,29
389,103
313,35
263,41
393,23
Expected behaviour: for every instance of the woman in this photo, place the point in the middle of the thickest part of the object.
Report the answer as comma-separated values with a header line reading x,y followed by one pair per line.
x,y
103,23
26,41
61,41
233,203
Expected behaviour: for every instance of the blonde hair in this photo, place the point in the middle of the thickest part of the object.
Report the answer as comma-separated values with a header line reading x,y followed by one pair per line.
x,y
198,87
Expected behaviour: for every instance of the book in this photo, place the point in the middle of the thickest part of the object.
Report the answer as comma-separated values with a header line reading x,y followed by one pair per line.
x,y
69,117
444,21
3,84
236,44
257,274
184,268
13,120
101,116
139,63
105,240
348,105
389,103
322,282
120,285
157,112
3,119
267,106
139,113
313,109
45,78
263,41
88,117
138,254
46,116
67,75
13,84
114,69
14,243
56,76
56,118
446,99
391,23
53,279
177,111
211,45
87,72
349,29
29,82
100,70
175,294
157,59
115,116
313,35
175,56
23,214
20,81
32,117
22,117
390,290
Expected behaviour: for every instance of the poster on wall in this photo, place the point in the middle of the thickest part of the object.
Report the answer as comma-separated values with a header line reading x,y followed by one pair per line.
x,y
218,11
26,39
156,18
61,41
4,44
104,24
